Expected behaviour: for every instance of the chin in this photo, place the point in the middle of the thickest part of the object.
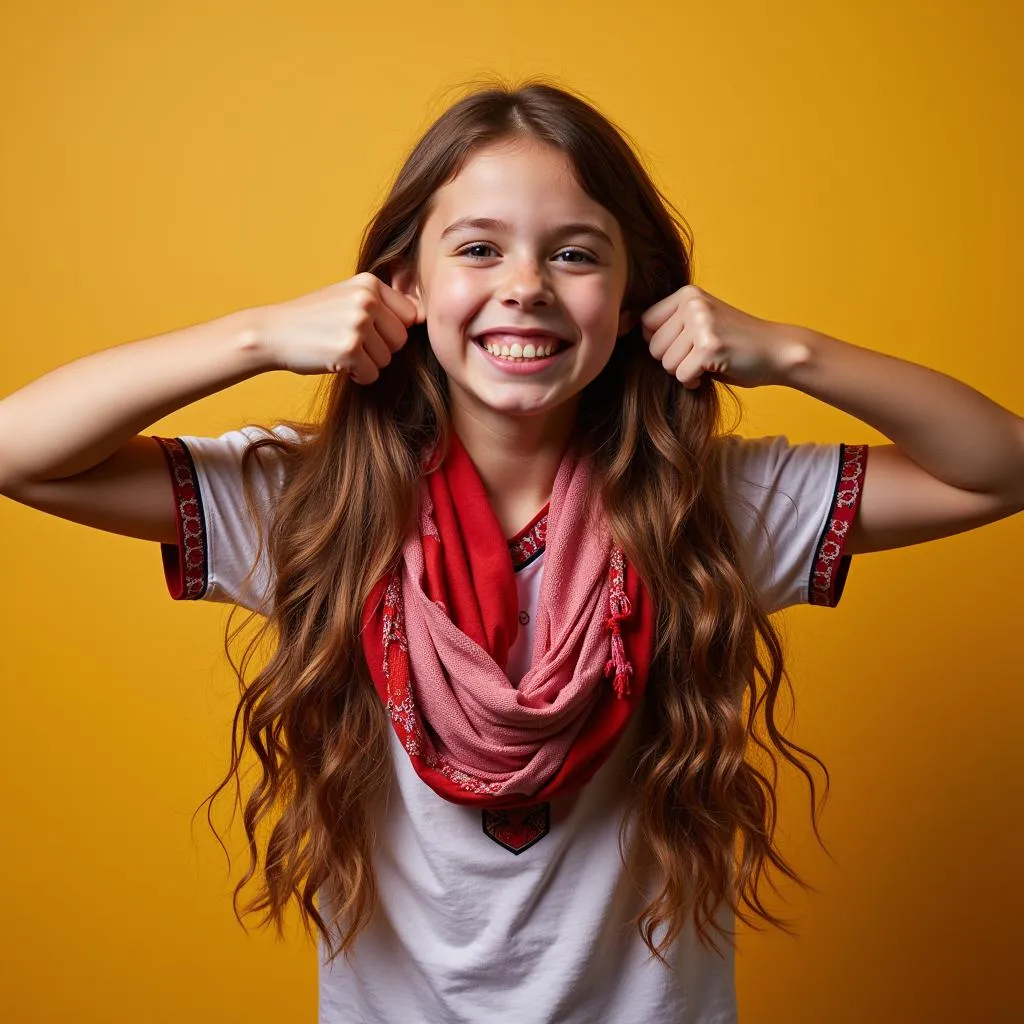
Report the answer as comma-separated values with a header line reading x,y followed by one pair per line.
x,y
521,408
518,405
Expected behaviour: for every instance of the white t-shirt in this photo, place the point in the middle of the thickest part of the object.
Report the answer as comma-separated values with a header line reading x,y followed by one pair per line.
x,y
524,918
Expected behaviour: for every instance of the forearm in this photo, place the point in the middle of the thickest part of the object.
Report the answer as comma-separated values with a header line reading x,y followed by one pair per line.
x,y
77,415
952,431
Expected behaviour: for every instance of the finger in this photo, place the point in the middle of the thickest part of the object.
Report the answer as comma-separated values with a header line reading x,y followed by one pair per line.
x,y
676,353
390,327
691,369
667,333
377,349
656,315
364,371
404,308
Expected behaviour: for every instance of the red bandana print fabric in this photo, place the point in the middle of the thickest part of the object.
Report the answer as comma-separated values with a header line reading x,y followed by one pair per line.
x,y
437,633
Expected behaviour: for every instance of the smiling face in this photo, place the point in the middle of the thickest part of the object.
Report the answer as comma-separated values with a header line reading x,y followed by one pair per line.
x,y
513,241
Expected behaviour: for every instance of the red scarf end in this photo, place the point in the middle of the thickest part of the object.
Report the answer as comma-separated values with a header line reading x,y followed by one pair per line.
x,y
621,682
619,665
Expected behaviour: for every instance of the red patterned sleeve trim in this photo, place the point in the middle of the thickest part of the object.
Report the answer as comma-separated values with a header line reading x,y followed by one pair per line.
x,y
186,564
830,566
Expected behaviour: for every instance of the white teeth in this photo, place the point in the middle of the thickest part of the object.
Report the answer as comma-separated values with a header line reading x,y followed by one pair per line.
x,y
520,352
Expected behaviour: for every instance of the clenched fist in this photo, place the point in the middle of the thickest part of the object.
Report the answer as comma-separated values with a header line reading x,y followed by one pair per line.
x,y
693,333
353,327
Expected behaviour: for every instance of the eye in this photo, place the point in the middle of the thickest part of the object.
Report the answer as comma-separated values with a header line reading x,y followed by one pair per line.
x,y
468,250
587,258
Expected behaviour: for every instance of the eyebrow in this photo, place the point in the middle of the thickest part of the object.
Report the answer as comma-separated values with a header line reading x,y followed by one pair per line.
x,y
491,224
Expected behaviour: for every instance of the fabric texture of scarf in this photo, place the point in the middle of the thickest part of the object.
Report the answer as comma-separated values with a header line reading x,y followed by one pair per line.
x,y
437,634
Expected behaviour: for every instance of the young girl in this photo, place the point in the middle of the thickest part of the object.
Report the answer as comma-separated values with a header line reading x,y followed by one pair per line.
x,y
518,577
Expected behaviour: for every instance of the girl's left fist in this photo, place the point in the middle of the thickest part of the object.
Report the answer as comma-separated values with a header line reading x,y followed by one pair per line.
x,y
693,333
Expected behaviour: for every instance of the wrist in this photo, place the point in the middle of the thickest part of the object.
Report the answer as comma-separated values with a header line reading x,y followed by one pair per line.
x,y
794,352
250,340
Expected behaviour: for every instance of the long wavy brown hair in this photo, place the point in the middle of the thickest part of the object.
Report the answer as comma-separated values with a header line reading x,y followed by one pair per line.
x,y
703,811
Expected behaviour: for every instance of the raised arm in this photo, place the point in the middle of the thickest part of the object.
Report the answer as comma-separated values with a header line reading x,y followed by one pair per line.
x,y
70,442
957,457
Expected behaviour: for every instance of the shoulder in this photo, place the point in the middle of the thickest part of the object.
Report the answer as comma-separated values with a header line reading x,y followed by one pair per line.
x,y
221,538
260,451
284,436
791,506
756,460
772,471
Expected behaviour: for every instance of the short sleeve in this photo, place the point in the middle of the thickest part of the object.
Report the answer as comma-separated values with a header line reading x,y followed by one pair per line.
x,y
792,506
218,543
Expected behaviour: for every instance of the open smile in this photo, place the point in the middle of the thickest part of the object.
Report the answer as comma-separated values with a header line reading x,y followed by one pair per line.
x,y
511,355
516,346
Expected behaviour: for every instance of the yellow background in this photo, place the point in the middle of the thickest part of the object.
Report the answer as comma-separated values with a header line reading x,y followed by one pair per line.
x,y
851,167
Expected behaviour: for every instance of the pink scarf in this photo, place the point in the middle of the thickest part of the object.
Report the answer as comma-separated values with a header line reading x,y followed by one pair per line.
x,y
437,633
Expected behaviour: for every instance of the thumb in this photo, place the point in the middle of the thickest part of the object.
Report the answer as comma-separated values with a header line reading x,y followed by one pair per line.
x,y
406,306
405,288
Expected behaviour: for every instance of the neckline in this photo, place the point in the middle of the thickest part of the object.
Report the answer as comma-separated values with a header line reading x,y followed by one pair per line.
x,y
528,544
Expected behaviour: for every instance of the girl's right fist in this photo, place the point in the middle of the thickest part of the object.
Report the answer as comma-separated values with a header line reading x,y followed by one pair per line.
x,y
352,327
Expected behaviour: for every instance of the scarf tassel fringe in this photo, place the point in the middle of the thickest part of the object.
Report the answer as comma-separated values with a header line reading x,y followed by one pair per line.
x,y
619,608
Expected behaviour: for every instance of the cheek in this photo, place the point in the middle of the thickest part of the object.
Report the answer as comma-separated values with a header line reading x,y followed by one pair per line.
x,y
598,303
451,304
451,296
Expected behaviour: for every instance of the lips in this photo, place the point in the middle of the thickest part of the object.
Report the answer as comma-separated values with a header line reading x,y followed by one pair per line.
x,y
524,332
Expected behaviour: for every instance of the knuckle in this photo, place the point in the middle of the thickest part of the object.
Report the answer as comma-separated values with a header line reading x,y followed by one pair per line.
x,y
368,301
364,297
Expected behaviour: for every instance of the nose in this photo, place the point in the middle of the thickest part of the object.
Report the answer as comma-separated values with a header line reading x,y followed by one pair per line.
x,y
526,283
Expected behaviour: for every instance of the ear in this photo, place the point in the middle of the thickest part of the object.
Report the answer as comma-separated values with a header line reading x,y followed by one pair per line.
x,y
404,280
